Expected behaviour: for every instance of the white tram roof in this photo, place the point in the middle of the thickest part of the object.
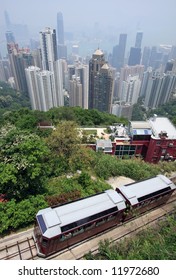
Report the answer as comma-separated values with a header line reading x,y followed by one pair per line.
x,y
134,191
52,219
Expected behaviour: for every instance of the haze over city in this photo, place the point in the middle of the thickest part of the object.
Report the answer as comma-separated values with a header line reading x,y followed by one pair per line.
x,y
105,19
96,55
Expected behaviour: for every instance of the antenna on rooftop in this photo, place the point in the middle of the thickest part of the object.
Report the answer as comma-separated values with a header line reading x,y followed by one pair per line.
x,y
98,45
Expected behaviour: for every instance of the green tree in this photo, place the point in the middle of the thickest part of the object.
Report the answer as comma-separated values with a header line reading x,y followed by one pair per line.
x,y
23,167
65,140
15,215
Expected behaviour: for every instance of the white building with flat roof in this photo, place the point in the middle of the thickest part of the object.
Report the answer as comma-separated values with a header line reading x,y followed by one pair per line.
x,y
162,125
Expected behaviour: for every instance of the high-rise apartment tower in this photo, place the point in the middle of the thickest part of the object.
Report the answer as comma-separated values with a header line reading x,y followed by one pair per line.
x,y
101,83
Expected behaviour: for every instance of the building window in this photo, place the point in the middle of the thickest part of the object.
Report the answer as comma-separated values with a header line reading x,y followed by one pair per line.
x,y
122,150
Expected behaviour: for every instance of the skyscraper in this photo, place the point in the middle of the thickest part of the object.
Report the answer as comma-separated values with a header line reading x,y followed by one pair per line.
x,y
7,21
138,41
62,49
119,52
77,77
95,65
131,89
47,90
10,37
19,60
146,56
60,28
159,89
75,94
48,44
32,84
135,56
101,83
129,71
135,52
41,88
82,71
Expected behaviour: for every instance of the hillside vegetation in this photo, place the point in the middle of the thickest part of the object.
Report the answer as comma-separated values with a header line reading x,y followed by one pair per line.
x,y
156,243
39,168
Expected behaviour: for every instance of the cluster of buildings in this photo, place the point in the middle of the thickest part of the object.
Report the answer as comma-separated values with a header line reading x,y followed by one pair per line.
x,y
108,82
153,140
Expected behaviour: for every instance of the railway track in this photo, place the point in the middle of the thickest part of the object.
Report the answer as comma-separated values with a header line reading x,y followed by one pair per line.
x,y
24,248
19,250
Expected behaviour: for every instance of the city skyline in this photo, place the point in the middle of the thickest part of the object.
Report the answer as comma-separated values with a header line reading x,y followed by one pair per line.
x,y
59,52
153,18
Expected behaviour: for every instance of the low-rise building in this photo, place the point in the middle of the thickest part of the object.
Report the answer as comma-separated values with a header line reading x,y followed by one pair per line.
x,y
162,144
153,140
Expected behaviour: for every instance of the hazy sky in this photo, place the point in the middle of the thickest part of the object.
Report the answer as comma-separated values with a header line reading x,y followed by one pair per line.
x,y
156,18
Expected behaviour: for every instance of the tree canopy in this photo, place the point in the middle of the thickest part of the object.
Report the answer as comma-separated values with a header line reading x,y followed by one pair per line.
x,y
23,165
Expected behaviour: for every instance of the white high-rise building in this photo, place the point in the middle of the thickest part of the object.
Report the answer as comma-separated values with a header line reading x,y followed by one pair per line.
x,y
159,89
46,87
78,74
58,72
48,43
75,96
122,109
82,71
130,89
32,85
41,88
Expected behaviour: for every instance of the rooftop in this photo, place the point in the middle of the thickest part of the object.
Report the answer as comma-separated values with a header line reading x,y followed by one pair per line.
x,y
104,143
140,124
162,124
120,132
52,220
98,52
137,190
105,66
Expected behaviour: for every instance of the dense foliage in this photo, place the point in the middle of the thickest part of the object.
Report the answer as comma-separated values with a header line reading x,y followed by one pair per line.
x,y
139,111
23,165
15,215
166,110
63,189
11,100
152,244
107,166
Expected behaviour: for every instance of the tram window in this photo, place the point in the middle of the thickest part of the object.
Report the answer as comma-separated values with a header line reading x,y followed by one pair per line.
x,y
68,235
88,219
111,217
139,206
152,195
88,227
147,202
44,242
100,222
62,238
78,231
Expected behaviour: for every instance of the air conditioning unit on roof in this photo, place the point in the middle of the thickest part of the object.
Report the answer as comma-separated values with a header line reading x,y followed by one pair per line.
x,y
170,144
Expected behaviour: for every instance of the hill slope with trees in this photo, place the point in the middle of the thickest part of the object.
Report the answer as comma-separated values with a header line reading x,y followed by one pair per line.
x,y
39,168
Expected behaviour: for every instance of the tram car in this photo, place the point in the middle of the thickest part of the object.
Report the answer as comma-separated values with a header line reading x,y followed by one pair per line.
x,y
145,195
62,226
